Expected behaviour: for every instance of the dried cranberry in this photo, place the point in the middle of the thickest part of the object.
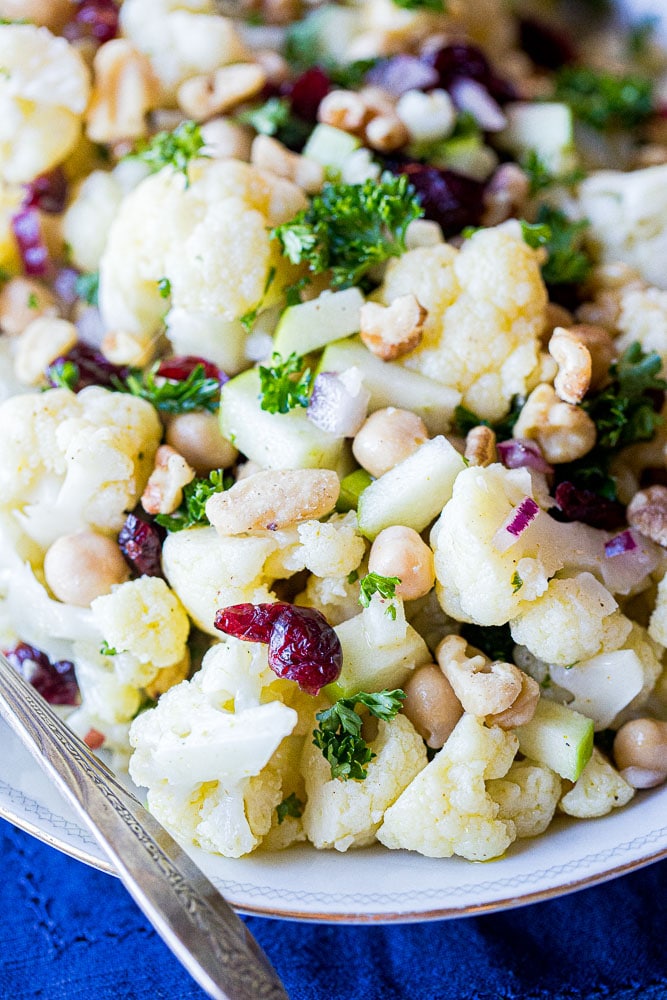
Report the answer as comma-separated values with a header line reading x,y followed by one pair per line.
x,y
304,648
27,231
577,504
463,61
307,91
448,198
546,45
92,368
180,368
55,681
251,622
95,19
48,193
141,543
401,73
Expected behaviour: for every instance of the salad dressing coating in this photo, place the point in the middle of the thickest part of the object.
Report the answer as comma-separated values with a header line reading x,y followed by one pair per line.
x,y
333,343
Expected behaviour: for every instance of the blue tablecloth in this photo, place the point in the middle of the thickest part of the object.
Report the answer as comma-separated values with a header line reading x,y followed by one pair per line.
x,y
68,932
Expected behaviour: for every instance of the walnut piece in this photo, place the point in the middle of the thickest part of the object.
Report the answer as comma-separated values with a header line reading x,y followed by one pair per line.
x,y
394,330
647,512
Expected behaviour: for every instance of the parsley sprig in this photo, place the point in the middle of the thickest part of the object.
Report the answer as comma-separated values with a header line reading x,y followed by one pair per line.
x,y
568,262
267,118
192,509
291,806
436,5
339,737
541,178
196,392
385,586
63,374
87,287
284,384
605,100
465,420
176,149
350,227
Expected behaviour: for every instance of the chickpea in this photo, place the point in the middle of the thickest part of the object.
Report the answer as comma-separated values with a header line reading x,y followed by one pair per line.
x,y
640,752
399,551
80,567
23,300
431,705
388,437
53,14
197,437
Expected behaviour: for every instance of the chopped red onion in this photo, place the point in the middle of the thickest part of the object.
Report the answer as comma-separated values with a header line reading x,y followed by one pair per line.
x,y
521,517
520,453
94,19
64,285
28,234
339,403
473,97
401,73
616,546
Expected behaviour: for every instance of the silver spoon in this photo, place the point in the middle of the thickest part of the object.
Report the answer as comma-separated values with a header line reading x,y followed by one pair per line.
x,y
183,906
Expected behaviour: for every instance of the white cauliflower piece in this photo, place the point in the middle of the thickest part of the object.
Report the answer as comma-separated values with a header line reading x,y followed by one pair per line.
x,y
203,764
573,620
486,310
332,548
447,809
344,814
44,90
182,38
287,827
209,239
37,618
336,597
657,626
474,580
145,618
610,686
598,790
104,694
627,213
643,318
527,795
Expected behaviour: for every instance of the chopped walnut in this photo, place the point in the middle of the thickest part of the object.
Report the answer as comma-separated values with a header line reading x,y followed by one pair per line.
x,y
647,512
564,432
483,687
269,154
574,365
394,330
522,709
125,90
164,489
505,195
480,447
273,499
600,346
202,97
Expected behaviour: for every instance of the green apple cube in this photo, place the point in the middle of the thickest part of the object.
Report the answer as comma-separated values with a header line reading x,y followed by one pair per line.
x,y
546,128
414,492
351,488
309,326
330,146
558,737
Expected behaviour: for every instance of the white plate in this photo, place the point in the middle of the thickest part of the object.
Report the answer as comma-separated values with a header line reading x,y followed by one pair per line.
x,y
372,885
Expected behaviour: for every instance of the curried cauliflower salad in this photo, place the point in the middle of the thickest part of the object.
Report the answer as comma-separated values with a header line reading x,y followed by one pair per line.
x,y
333,433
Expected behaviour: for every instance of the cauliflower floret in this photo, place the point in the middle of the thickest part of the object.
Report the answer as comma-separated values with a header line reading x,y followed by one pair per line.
x,y
643,318
210,240
336,597
657,626
574,620
104,694
610,686
69,461
475,581
527,795
182,38
144,618
627,213
332,548
286,826
205,766
44,90
446,809
599,789
486,309
344,814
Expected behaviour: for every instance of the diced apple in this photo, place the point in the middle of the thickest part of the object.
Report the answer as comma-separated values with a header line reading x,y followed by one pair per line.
x,y
547,128
558,737
309,326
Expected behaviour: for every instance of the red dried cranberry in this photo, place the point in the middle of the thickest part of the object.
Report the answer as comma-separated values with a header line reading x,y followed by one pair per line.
x,y
55,681
180,368
48,192
577,504
141,543
250,622
307,91
452,200
401,73
96,19
547,46
304,648
91,365
28,234
463,61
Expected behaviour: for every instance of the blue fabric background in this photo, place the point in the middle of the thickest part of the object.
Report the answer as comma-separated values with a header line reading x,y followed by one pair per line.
x,y
68,932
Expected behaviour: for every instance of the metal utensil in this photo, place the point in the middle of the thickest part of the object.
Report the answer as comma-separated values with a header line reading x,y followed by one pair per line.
x,y
185,908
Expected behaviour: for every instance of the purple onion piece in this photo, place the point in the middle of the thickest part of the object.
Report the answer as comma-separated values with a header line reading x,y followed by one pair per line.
x,y
576,504
519,453
473,97
334,408
450,199
140,542
620,544
401,73
55,680
64,285
32,248
521,518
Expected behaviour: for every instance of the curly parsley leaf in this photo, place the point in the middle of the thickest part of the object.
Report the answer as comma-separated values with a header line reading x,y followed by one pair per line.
x,y
63,374
516,582
624,412
106,649
385,586
291,806
605,100
267,118
248,319
87,287
568,263
192,510
164,287
350,227
339,737
540,178
284,384
176,149
436,5
196,392
465,420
